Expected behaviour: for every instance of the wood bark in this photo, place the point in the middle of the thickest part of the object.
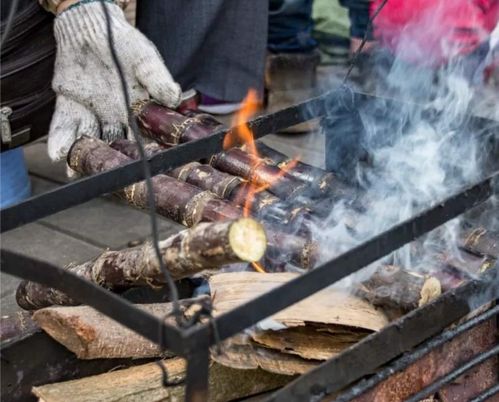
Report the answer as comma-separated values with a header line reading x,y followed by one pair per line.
x,y
182,202
144,383
92,335
391,287
205,246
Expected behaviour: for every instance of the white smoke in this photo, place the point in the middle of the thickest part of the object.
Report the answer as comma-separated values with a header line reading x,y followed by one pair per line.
x,y
421,151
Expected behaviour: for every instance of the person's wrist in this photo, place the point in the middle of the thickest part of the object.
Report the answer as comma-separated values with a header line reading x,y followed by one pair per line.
x,y
68,4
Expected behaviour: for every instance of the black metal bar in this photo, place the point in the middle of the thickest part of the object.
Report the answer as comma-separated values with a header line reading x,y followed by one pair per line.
x,y
405,361
198,361
487,394
85,189
379,246
398,337
99,298
475,361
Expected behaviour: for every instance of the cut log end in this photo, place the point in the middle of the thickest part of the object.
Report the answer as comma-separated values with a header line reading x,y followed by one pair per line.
x,y
430,290
247,239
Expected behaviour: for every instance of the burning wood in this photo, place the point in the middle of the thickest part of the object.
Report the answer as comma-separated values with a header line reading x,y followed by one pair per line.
x,y
16,325
479,241
299,337
205,246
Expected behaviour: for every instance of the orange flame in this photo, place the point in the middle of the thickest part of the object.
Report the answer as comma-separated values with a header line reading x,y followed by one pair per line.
x,y
241,134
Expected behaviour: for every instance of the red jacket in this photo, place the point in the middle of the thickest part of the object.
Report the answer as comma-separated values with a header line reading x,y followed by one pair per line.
x,y
433,31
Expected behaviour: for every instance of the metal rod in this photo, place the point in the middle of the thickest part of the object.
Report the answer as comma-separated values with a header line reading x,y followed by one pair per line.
x,y
487,394
95,296
347,263
415,355
431,389
197,375
398,337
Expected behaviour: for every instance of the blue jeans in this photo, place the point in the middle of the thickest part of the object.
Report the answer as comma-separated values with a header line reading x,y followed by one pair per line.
x,y
290,26
358,12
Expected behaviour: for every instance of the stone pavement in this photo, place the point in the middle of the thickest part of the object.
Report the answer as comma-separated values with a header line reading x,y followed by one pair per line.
x,y
80,233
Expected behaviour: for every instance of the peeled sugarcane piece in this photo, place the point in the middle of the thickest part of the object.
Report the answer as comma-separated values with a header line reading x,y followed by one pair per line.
x,y
391,287
481,242
144,383
92,335
205,246
240,163
179,201
262,205
176,200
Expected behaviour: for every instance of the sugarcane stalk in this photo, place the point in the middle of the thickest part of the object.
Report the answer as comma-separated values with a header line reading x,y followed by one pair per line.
x,y
171,128
261,204
205,246
179,201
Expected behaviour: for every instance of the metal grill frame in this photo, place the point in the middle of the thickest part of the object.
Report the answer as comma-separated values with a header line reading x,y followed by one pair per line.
x,y
193,343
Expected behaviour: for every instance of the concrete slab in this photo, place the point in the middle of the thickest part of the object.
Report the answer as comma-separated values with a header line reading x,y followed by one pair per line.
x,y
40,164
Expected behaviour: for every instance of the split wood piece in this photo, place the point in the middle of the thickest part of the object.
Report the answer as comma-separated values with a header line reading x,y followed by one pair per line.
x,y
249,356
92,335
307,342
327,307
144,383
481,241
391,287
262,204
17,325
205,246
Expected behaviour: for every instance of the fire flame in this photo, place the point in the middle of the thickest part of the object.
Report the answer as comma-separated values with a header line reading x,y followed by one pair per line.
x,y
241,134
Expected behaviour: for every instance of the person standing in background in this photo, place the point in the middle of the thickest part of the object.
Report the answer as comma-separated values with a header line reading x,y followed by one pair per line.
x,y
216,47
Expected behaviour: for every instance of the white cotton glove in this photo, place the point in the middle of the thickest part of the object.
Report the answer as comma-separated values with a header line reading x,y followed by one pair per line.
x,y
90,99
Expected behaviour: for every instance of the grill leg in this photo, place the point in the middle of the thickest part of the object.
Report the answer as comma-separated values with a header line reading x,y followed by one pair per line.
x,y
197,375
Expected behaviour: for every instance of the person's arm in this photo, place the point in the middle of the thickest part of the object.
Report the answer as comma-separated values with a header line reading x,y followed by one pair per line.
x,y
90,99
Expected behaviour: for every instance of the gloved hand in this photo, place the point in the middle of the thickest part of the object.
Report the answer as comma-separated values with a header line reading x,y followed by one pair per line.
x,y
90,99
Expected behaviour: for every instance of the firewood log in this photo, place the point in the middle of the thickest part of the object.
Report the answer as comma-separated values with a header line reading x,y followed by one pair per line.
x,y
92,335
179,201
144,383
205,246
391,287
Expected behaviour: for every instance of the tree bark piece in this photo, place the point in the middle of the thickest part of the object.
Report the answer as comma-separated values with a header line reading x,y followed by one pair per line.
x,y
143,383
391,287
180,201
92,335
205,246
